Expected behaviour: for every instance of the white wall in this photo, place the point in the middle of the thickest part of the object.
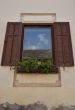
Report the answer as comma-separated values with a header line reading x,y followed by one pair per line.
x,y
10,11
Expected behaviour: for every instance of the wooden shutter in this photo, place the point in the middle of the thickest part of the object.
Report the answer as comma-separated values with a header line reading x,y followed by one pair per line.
x,y
12,43
63,55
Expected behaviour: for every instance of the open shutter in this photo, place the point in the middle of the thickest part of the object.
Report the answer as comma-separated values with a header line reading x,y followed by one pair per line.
x,y
12,43
63,55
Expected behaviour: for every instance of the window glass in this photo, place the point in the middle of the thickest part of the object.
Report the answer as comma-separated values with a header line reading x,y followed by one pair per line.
x,y
37,42
37,38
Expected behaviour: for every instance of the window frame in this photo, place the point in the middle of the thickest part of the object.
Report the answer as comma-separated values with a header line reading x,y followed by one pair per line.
x,y
43,25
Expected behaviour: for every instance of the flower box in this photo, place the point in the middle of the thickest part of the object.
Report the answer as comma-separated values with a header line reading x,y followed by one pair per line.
x,y
36,66
30,70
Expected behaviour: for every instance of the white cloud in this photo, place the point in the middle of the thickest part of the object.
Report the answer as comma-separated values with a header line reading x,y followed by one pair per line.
x,y
42,42
42,38
33,47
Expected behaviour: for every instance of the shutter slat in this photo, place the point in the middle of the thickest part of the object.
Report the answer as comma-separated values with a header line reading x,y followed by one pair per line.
x,y
67,45
17,42
57,29
65,28
15,52
7,51
58,50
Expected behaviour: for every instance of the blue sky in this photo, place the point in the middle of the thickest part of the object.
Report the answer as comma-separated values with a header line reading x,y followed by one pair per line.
x,y
37,38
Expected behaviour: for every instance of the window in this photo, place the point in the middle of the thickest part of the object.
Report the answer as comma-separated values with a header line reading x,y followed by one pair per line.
x,y
37,42
60,45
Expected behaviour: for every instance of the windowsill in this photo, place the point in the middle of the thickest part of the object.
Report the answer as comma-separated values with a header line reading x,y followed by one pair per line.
x,y
37,80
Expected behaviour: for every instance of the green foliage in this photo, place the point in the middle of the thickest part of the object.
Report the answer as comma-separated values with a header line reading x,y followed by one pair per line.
x,y
28,62
46,66
33,65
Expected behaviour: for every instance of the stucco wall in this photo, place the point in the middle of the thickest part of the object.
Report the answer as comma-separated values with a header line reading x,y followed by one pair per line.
x,y
10,11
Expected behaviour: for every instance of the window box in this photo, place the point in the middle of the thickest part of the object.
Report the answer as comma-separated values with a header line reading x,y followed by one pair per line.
x,y
22,70
36,66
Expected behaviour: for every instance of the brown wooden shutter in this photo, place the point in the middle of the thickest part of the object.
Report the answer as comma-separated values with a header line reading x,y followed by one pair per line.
x,y
63,55
12,43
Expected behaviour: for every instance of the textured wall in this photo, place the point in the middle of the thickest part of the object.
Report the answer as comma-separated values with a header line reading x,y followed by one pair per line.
x,y
10,11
